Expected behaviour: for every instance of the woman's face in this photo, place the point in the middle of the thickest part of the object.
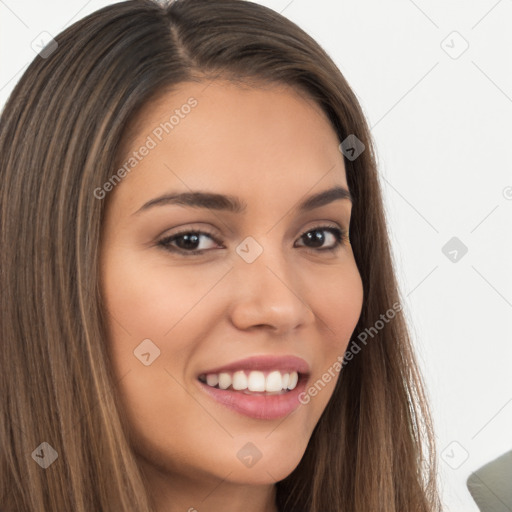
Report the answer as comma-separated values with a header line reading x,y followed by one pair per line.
x,y
269,279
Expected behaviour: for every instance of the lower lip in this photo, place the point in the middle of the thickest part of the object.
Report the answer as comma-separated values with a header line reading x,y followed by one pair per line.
x,y
263,407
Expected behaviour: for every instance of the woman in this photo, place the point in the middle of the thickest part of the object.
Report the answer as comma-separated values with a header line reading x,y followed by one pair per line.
x,y
199,307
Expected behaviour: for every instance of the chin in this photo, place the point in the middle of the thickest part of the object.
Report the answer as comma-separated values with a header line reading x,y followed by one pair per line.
x,y
275,464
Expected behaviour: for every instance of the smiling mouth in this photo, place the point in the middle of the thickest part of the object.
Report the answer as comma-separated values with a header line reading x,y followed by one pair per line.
x,y
254,382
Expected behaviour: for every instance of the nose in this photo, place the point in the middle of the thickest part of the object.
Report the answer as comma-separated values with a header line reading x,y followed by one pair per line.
x,y
267,293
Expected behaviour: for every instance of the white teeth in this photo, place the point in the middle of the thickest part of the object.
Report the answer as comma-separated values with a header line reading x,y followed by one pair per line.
x,y
254,381
239,380
224,380
212,379
293,380
274,382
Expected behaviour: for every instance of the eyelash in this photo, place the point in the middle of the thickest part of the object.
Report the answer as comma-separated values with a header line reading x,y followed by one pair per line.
x,y
340,235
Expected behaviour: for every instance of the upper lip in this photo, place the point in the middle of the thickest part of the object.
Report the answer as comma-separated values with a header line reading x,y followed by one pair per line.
x,y
264,362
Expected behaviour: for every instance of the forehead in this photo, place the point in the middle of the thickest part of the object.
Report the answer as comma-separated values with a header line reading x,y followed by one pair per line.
x,y
244,140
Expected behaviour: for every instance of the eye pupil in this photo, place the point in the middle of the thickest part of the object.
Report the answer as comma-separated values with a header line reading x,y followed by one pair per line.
x,y
317,238
190,241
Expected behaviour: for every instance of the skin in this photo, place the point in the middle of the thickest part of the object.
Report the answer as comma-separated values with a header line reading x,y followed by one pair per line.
x,y
271,147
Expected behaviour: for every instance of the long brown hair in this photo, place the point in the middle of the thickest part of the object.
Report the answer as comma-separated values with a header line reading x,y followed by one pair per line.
x,y
61,133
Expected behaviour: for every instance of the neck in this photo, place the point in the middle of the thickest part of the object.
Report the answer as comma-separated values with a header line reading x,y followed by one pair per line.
x,y
192,492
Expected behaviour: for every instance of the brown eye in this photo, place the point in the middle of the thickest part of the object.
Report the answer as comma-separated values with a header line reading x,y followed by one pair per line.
x,y
186,242
315,238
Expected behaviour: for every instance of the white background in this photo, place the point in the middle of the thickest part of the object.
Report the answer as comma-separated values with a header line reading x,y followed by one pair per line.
x,y
443,130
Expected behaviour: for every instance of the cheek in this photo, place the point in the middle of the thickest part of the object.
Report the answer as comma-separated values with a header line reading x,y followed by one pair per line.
x,y
148,297
150,300
338,301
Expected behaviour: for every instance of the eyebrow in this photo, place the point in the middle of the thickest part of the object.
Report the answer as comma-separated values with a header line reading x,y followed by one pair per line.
x,y
233,204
